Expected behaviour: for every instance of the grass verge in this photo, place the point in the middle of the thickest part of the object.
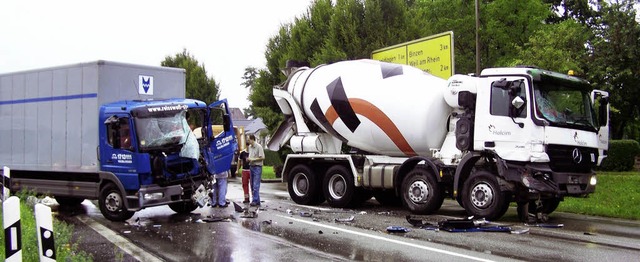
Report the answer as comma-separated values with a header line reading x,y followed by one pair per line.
x,y
617,195
65,249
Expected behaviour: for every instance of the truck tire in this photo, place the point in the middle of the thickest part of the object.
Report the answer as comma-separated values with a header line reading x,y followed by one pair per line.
x,y
387,198
482,196
69,201
183,207
421,194
339,189
304,186
111,203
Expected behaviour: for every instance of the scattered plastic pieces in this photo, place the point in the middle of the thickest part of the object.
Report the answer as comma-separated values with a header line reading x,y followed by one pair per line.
x,y
249,214
397,229
320,232
349,219
127,232
305,214
465,225
238,208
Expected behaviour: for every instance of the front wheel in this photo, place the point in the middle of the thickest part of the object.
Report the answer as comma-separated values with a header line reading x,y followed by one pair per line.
x,y
304,186
421,194
111,203
183,207
482,196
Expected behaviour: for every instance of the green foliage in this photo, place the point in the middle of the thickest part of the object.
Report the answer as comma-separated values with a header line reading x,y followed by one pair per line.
x,y
546,50
614,67
272,158
199,85
621,156
66,250
617,195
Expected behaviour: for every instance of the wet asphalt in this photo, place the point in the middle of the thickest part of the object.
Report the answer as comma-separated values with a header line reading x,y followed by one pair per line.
x,y
285,231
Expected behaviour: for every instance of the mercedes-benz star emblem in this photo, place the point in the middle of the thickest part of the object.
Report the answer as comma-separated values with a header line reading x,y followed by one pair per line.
x,y
577,156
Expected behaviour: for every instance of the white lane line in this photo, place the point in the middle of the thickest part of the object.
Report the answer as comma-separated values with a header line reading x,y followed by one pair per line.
x,y
312,207
121,242
388,240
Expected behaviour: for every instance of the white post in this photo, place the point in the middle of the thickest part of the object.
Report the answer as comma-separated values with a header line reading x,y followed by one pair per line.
x,y
44,228
12,229
6,183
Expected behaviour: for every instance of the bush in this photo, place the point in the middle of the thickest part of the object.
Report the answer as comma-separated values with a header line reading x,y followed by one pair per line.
x,y
272,158
622,154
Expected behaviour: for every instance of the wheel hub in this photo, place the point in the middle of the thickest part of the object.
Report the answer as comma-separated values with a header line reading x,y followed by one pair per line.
x,y
113,202
481,195
418,192
337,186
300,184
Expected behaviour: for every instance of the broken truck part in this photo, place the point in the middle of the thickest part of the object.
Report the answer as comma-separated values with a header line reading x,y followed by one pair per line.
x,y
522,135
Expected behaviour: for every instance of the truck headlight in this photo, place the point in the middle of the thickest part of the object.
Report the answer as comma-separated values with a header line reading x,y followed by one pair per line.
x,y
593,181
153,196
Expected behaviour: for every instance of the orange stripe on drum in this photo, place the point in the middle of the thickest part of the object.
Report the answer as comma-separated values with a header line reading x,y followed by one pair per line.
x,y
373,113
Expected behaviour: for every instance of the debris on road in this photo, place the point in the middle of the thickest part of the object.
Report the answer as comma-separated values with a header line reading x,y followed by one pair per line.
x,y
238,208
343,220
305,214
465,225
545,225
249,214
397,229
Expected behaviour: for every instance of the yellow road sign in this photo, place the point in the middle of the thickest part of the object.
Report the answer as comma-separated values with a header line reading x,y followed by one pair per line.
x,y
433,54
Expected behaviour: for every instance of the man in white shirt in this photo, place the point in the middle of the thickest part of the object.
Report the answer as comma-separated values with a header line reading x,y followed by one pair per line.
x,y
256,157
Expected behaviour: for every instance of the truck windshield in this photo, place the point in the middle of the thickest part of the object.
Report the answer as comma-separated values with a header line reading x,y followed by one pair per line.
x,y
161,130
564,105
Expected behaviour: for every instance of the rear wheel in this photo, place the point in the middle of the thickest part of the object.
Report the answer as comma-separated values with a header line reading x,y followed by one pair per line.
x,y
111,203
420,192
304,186
183,207
482,196
69,201
339,189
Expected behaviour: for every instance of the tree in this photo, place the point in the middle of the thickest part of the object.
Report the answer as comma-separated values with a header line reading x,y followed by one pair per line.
x,y
199,85
546,50
614,63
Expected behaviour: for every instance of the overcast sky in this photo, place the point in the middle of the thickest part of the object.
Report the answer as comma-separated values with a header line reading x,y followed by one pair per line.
x,y
226,36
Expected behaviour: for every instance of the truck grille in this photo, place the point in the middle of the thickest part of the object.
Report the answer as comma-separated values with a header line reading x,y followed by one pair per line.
x,y
564,159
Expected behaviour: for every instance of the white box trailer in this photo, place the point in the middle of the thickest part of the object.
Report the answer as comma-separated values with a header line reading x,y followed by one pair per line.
x,y
49,117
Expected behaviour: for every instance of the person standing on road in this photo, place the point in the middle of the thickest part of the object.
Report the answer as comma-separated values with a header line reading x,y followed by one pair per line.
x,y
256,157
246,173
219,194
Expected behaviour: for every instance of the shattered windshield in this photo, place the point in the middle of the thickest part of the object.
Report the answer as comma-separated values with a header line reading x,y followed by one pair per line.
x,y
155,131
564,106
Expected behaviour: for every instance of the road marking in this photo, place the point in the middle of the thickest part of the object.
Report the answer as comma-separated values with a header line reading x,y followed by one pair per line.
x,y
312,207
387,239
121,242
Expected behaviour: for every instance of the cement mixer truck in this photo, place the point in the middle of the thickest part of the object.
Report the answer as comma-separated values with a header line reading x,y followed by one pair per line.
x,y
366,128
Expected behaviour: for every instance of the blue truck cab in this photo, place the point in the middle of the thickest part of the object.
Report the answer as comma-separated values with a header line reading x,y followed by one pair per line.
x,y
162,152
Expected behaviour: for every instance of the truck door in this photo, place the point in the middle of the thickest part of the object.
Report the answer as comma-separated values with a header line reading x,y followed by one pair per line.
x,y
501,122
118,150
222,138
600,100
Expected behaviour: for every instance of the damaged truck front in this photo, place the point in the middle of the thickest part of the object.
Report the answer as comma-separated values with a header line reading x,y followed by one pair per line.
x,y
103,131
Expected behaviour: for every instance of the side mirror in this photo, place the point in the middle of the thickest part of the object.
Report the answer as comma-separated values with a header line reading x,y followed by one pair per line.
x,y
602,111
226,119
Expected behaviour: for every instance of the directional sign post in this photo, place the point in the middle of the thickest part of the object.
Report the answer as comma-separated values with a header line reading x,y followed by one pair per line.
x,y
433,54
